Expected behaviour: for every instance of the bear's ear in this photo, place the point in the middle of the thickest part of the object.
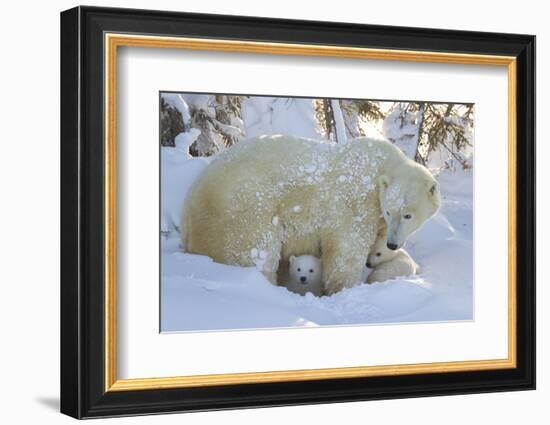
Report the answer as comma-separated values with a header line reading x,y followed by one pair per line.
x,y
434,195
384,182
291,259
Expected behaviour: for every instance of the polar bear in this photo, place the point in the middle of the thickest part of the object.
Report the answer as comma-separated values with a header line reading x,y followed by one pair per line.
x,y
304,275
389,264
270,197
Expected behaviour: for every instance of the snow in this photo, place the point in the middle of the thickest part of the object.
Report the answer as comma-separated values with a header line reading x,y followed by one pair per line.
x,y
310,168
402,128
178,172
278,115
183,141
230,130
197,101
199,294
178,102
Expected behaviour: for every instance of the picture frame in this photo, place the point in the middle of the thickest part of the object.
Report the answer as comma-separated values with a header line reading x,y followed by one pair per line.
x,y
90,40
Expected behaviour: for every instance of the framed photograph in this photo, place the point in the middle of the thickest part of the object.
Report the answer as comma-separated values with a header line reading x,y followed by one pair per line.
x,y
261,212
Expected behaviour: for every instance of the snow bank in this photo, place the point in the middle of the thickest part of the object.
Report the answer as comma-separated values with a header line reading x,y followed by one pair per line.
x,y
198,294
177,172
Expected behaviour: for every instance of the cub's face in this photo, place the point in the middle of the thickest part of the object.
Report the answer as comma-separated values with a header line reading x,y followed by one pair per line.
x,y
406,204
304,269
380,253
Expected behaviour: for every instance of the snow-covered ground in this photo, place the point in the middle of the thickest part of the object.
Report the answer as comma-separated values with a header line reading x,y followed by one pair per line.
x,y
198,294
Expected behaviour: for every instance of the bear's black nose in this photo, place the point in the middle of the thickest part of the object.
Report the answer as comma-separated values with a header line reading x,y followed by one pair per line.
x,y
368,265
392,246
303,278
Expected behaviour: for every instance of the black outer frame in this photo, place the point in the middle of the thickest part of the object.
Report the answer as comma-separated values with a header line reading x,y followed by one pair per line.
x,y
82,203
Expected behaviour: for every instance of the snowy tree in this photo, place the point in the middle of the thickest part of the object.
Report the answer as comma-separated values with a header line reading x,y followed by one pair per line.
x,y
438,135
325,118
280,115
433,134
217,119
171,120
403,126
228,116
339,125
357,112
446,139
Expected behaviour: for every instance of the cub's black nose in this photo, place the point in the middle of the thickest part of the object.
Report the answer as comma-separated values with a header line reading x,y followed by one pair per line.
x,y
368,265
303,278
392,246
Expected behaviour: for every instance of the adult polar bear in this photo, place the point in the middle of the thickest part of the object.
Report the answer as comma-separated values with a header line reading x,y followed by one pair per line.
x,y
271,197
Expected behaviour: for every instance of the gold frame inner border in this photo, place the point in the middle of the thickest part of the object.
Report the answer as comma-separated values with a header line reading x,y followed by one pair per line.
x,y
113,40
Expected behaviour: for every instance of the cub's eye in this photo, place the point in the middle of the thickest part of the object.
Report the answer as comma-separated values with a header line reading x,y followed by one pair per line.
x,y
388,213
299,269
311,270
378,254
407,216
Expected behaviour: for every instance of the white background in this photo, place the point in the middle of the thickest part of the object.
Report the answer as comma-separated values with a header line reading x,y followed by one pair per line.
x,y
143,352
29,222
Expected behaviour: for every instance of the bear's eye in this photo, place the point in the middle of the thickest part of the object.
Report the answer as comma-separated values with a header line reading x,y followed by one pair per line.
x,y
311,270
407,216
388,213
299,269
378,254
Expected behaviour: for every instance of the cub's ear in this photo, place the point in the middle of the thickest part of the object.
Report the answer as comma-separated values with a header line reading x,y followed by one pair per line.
x,y
291,259
384,182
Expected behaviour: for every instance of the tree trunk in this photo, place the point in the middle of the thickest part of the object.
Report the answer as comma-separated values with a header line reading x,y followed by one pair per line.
x,y
339,124
328,118
417,156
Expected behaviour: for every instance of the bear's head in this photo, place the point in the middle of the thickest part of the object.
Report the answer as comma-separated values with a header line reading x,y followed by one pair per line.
x,y
407,199
304,269
380,253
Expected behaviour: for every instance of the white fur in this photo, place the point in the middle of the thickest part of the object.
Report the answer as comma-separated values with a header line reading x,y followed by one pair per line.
x,y
304,275
389,264
270,197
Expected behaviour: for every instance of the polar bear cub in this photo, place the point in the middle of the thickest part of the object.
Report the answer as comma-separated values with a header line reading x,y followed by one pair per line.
x,y
304,275
389,264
